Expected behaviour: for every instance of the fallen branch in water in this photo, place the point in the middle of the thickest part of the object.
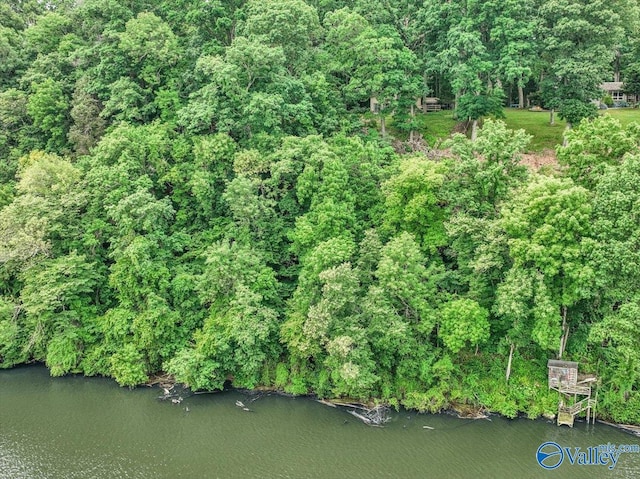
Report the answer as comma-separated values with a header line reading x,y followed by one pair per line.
x,y
175,394
364,419
376,416
373,416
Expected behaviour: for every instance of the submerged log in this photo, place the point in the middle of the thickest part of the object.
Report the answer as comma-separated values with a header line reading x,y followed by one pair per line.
x,y
364,419
241,405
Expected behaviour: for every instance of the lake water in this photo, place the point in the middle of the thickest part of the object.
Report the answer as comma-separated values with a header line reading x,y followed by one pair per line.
x,y
84,428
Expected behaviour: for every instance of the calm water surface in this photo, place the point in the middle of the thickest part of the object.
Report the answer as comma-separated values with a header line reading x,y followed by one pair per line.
x,y
83,428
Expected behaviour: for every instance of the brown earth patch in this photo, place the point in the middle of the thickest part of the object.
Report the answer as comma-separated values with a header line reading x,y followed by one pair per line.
x,y
544,158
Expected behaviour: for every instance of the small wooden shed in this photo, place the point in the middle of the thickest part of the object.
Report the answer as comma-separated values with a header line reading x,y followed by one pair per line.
x,y
562,374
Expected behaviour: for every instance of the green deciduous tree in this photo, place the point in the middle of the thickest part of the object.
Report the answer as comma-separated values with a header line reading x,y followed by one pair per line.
x,y
548,225
593,145
88,126
578,40
414,201
468,60
238,338
151,46
463,321
513,27
58,301
616,336
292,25
48,107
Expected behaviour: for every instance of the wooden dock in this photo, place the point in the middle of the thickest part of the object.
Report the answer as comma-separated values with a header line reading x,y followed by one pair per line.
x,y
564,378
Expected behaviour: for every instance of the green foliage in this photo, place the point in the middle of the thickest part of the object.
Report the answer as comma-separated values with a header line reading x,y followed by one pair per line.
x,y
63,355
282,375
48,108
574,111
594,144
617,335
486,169
151,46
128,367
548,225
578,41
413,202
198,190
292,25
476,105
11,334
463,321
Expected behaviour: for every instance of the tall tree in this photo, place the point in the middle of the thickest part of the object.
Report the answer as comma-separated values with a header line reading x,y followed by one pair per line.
x,y
49,109
578,40
513,28
468,59
548,226
292,25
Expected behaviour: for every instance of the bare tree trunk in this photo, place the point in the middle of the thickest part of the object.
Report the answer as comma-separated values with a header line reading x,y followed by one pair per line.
x,y
520,97
513,346
383,126
413,115
552,119
474,130
564,136
565,333
455,106
423,104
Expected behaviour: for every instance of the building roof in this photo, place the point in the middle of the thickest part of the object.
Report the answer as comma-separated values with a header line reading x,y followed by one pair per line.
x,y
611,85
552,363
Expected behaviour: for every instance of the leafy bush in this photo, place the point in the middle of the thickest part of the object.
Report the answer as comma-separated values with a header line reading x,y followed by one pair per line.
x,y
282,375
128,367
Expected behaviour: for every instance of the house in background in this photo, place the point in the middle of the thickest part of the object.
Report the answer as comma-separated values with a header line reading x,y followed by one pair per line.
x,y
425,104
616,90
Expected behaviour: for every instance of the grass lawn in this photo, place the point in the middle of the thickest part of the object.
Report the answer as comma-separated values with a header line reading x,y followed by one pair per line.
x,y
433,126
624,115
546,136
536,123
436,126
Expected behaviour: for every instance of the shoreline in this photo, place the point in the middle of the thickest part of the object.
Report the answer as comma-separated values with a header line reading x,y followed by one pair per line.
x,y
460,410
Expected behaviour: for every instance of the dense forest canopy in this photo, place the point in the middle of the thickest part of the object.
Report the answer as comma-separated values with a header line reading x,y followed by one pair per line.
x,y
198,187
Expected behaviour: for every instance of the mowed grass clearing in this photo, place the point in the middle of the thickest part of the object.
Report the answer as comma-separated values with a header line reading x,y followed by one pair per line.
x,y
436,126
439,125
536,123
547,137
